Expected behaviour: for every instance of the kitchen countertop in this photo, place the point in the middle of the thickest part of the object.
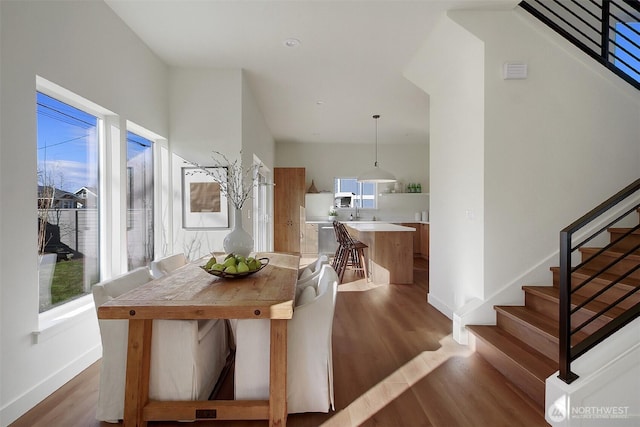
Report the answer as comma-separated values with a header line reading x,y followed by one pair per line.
x,y
407,221
373,226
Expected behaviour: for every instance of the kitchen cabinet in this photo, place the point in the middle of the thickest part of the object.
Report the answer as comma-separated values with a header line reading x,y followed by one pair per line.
x,y
309,244
424,241
417,250
288,207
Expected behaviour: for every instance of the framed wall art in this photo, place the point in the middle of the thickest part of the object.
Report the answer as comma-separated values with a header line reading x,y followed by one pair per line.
x,y
203,204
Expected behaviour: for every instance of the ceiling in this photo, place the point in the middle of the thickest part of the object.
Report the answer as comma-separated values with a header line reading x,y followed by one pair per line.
x,y
347,67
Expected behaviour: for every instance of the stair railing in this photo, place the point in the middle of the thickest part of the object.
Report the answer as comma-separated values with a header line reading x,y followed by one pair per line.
x,y
570,345
606,30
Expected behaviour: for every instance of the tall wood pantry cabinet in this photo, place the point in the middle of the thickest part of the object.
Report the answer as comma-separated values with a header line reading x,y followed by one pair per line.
x,y
288,207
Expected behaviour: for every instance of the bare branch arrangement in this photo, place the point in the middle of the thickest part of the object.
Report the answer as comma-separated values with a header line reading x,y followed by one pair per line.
x,y
46,196
236,183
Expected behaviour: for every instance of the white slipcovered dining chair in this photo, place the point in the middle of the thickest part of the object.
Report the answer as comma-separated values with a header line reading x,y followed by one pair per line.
x,y
187,356
309,274
309,353
313,268
167,264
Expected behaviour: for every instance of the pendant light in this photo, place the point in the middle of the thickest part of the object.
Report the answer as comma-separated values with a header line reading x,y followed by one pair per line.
x,y
376,174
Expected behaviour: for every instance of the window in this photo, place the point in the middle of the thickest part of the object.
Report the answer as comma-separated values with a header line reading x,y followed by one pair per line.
x,y
68,225
349,193
139,201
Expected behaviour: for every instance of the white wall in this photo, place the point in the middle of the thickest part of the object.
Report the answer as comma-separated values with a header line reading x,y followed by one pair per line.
x,y
556,144
549,147
450,68
324,162
256,140
205,116
212,109
3,252
85,48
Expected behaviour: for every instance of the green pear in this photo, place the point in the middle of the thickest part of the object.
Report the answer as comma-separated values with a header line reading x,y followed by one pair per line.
x,y
210,263
229,262
229,256
217,267
254,265
231,269
242,267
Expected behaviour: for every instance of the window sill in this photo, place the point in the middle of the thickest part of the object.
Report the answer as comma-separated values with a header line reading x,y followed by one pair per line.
x,y
60,319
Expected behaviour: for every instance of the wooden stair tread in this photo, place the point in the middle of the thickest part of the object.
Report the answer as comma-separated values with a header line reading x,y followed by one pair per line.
x,y
623,230
532,318
604,278
516,350
524,343
611,251
552,293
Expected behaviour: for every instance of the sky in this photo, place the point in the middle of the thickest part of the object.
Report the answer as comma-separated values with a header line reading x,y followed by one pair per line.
x,y
67,143
632,32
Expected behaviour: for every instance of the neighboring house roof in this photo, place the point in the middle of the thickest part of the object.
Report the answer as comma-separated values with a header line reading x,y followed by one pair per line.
x,y
57,195
85,191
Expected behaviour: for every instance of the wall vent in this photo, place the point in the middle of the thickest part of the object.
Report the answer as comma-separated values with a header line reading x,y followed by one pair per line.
x,y
514,70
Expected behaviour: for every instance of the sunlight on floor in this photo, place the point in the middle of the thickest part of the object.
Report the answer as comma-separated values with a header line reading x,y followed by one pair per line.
x,y
397,383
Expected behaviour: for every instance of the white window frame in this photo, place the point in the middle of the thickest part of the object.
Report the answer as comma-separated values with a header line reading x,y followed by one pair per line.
x,y
65,316
161,179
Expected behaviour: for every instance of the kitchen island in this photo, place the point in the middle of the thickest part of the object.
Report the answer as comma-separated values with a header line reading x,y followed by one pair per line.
x,y
390,252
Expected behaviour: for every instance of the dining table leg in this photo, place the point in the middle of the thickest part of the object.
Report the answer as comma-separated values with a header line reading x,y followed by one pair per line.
x,y
136,394
278,374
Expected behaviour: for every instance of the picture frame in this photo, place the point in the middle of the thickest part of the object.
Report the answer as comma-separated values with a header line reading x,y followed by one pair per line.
x,y
204,207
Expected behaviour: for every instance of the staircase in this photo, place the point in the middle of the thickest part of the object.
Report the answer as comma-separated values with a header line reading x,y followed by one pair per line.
x,y
606,30
523,345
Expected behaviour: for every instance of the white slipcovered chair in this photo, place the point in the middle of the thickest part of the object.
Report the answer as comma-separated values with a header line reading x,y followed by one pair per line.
x,y
313,268
167,264
309,274
309,355
187,356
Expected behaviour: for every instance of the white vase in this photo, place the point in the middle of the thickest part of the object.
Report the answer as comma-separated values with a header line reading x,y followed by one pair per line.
x,y
238,241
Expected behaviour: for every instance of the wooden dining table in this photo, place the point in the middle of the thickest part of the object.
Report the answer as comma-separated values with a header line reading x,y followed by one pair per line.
x,y
191,293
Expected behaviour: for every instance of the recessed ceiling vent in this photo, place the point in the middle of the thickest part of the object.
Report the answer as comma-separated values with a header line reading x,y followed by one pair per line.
x,y
514,70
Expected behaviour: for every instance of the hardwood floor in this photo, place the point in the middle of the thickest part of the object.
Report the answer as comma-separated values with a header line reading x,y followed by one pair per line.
x,y
395,364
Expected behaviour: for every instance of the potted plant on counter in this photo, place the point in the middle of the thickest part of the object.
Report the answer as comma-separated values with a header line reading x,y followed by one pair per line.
x,y
333,214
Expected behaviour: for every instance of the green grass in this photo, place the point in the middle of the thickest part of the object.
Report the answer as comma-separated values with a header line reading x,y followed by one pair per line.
x,y
67,280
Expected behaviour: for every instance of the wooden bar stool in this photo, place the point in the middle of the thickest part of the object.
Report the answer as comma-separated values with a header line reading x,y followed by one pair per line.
x,y
350,252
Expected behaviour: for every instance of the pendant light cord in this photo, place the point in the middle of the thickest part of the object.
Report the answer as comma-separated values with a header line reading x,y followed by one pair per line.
x,y
376,117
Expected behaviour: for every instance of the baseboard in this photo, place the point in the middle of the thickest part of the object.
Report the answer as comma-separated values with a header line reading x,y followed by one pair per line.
x,y
23,403
440,305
